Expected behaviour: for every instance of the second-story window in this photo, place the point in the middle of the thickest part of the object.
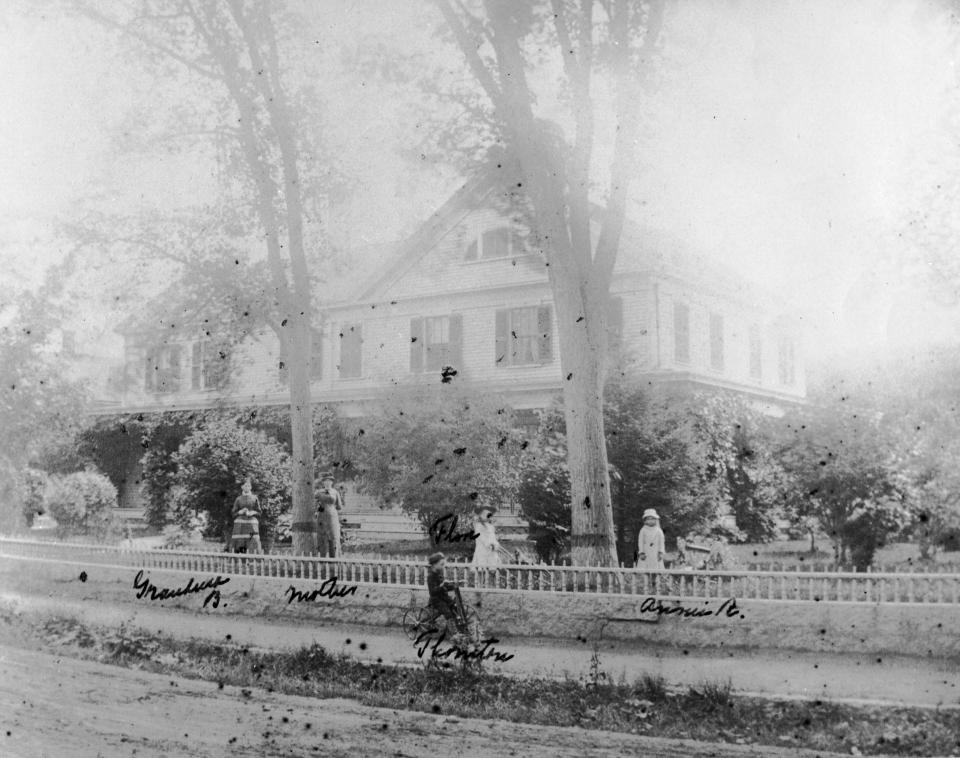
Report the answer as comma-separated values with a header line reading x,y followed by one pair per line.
x,y
435,342
524,336
209,365
787,362
756,353
351,351
716,342
316,360
162,369
681,333
501,242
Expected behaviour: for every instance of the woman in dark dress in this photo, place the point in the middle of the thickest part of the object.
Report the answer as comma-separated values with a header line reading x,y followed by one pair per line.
x,y
246,521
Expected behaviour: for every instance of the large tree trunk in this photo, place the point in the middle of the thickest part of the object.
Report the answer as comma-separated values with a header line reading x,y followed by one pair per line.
x,y
582,349
301,427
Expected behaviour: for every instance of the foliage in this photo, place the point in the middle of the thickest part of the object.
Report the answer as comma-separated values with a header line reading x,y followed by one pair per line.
x,y
662,463
82,504
842,459
211,465
161,437
39,404
690,459
335,439
544,493
34,484
741,467
438,450
189,527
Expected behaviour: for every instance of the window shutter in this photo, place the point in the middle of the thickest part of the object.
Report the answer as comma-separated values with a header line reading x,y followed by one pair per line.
x,y
472,252
681,333
351,351
500,355
358,351
149,372
416,345
544,335
217,364
316,354
456,342
196,364
174,374
614,325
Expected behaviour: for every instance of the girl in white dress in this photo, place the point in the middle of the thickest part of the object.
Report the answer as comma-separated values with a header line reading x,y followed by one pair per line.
x,y
650,543
486,552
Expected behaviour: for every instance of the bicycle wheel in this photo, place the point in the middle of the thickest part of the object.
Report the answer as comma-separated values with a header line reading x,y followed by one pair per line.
x,y
416,621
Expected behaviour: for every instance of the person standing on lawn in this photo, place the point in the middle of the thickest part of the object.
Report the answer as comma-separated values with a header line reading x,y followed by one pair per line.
x,y
487,548
246,521
329,505
650,543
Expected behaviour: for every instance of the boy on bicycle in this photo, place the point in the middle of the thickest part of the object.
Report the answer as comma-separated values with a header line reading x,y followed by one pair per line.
x,y
439,588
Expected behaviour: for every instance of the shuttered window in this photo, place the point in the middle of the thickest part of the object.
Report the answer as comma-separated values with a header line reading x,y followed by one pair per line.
x,y
351,351
681,333
787,361
614,327
436,343
162,370
716,342
209,365
316,355
524,336
316,360
756,353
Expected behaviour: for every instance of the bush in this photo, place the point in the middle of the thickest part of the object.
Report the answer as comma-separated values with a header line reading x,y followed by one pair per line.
x,y
210,467
82,504
34,482
440,450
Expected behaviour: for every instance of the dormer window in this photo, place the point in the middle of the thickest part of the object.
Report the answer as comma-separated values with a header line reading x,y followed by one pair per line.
x,y
501,242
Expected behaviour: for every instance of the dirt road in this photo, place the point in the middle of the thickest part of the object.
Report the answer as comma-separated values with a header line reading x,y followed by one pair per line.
x,y
58,707
854,678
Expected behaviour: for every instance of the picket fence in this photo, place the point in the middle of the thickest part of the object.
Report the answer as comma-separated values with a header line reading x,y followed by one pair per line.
x,y
939,588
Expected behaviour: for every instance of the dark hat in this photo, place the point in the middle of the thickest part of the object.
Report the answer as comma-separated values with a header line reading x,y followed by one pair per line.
x,y
327,475
482,508
435,558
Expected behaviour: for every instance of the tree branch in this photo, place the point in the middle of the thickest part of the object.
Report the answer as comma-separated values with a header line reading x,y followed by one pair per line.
x,y
105,20
469,49
621,169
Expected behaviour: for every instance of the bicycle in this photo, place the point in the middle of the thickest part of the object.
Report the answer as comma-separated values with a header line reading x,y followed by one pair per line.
x,y
429,623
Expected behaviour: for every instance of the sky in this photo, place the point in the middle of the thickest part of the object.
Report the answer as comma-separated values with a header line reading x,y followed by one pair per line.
x,y
793,141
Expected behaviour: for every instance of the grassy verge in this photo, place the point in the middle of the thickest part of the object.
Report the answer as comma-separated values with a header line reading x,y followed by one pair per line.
x,y
709,711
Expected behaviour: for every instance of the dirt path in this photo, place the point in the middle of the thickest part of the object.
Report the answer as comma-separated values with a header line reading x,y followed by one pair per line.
x,y
863,679
57,707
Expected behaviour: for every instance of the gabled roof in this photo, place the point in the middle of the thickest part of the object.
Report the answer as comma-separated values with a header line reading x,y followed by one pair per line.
x,y
642,248
464,201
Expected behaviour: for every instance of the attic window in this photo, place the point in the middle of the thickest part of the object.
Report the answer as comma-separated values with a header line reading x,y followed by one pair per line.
x,y
501,242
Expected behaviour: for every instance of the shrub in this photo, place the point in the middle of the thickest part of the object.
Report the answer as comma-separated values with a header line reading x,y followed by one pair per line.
x,y
82,504
34,482
440,450
211,465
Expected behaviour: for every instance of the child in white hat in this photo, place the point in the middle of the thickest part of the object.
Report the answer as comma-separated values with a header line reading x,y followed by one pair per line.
x,y
650,544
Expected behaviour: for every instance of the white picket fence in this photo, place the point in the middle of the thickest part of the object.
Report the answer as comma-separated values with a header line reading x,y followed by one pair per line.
x,y
941,588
